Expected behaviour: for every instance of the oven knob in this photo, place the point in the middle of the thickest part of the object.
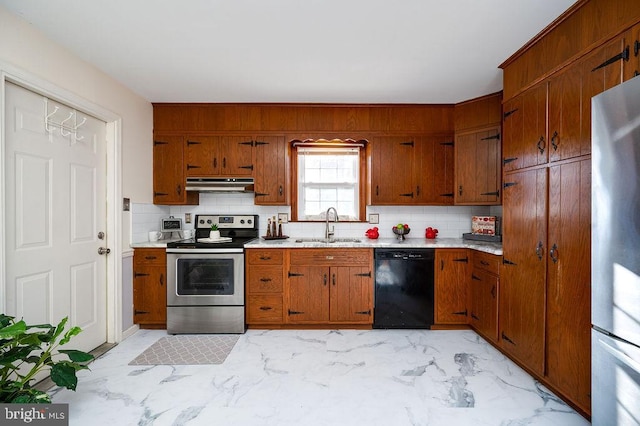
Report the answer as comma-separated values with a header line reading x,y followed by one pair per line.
x,y
249,221
202,221
209,221
241,220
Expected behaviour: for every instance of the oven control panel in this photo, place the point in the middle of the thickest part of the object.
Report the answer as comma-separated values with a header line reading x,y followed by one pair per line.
x,y
227,221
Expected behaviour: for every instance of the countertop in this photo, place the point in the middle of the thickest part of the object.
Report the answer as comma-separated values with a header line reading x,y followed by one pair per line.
x,y
487,247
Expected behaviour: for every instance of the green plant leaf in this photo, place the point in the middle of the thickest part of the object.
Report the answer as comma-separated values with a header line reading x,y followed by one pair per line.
x,y
64,374
77,356
13,330
60,327
69,334
5,320
31,396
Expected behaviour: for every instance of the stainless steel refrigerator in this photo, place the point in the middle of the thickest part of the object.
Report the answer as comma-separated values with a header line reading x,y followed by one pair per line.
x,y
615,256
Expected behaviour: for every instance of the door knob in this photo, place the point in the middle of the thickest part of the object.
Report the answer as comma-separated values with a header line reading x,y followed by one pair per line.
x,y
104,250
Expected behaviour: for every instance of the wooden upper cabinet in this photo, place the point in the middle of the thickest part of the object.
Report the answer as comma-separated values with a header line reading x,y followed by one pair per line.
x,y
434,168
631,68
219,156
271,171
478,172
564,105
169,173
478,113
392,170
525,142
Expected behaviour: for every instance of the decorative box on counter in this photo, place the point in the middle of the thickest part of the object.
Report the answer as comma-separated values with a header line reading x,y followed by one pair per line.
x,y
485,228
486,225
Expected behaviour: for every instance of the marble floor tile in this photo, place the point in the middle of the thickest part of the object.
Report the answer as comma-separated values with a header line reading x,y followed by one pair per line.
x,y
319,377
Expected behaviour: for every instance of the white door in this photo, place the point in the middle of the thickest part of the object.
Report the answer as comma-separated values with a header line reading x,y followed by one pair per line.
x,y
55,207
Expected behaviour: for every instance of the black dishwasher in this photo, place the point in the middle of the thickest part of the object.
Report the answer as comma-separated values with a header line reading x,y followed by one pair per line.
x,y
404,288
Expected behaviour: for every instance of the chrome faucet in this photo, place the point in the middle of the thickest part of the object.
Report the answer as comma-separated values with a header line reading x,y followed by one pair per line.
x,y
329,233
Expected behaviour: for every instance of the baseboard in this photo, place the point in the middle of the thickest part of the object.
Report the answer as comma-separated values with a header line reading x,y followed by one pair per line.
x,y
130,331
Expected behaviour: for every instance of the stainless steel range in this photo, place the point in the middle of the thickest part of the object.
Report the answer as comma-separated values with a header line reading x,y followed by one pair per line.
x,y
205,277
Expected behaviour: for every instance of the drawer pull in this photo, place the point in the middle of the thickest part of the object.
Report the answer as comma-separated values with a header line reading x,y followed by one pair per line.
x,y
150,257
265,308
485,263
265,280
364,312
265,257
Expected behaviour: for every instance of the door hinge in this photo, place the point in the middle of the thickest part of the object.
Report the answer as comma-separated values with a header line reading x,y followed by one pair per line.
x,y
364,312
160,143
446,143
462,259
261,194
624,55
509,160
496,136
506,339
508,113
507,262
496,193
137,274
636,48
247,167
448,194
189,167
508,184
160,194
407,143
140,312
246,143
473,277
365,274
193,143
460,313
293,274
475,317
256,143
295,312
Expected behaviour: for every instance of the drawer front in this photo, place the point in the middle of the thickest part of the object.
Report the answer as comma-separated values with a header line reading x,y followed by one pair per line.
x,y
487,262
150,256
264,309
265,256
331,257
264,279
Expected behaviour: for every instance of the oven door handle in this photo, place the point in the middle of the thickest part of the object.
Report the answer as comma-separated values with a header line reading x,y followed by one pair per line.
x,y
205,250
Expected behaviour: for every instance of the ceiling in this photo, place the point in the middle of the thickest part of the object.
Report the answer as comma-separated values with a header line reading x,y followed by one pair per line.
x,y
324,51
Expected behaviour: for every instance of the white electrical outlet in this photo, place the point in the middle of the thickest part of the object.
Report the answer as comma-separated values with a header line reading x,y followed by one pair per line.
x,y
187,218
374,218
284,217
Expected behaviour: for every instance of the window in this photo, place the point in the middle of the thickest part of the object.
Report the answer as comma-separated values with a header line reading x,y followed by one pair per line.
x,y
328,174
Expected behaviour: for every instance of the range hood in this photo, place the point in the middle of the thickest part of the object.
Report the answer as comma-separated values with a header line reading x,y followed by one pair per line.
x,y
209,184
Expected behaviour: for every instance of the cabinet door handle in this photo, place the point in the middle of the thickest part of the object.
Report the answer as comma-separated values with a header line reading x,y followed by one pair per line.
x,y
150,257
224,162
506,339
161,280
325,279
377,190
333,279
554,141
460,190
179,189
215,163
539,250
418,191
553,253
408,194
541,145
265,308
137,274
265,280
493,291
280,190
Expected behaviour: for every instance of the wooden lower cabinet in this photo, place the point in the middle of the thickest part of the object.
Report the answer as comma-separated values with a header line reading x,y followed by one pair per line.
x,y
568,314
484,287
264,286
450,286
329,286
150,287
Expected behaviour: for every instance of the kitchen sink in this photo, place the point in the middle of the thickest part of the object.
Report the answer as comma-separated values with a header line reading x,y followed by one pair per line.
x,y
328,240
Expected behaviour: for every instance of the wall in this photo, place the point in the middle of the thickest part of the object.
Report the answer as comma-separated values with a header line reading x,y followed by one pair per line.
x,y
451,221
27,49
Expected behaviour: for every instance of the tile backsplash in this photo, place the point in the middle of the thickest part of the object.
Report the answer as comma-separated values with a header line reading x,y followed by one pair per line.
x,y
451,221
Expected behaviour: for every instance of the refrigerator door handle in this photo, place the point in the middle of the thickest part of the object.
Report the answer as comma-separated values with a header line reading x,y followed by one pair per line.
x,y
621,356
